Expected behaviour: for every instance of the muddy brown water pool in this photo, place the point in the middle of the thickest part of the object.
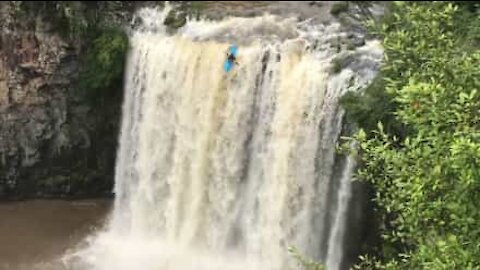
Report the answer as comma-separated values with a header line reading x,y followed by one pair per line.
x,y
35,234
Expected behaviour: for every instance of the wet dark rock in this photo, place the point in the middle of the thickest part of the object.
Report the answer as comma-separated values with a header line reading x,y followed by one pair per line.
x,y
175,19
356,39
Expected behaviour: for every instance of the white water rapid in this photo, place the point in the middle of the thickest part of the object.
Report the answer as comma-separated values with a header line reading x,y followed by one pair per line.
x,y
223,171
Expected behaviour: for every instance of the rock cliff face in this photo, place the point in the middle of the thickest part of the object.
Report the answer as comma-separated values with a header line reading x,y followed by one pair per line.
x,y
52,142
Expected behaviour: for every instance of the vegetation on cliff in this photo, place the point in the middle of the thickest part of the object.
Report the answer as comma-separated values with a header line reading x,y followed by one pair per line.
x,y
423,156
103,66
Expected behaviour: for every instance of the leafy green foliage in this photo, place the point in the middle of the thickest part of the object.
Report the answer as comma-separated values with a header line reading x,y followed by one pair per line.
x,y
372,106
428,181
305,263
102,71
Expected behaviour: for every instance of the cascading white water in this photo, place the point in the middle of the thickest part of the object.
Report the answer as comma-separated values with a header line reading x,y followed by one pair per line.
x,y
225,171
335,252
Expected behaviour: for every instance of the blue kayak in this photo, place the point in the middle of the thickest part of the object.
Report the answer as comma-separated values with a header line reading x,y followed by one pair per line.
x,y
228,65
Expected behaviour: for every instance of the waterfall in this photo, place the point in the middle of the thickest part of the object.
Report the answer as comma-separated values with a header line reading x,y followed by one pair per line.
x,y
335,252
223,170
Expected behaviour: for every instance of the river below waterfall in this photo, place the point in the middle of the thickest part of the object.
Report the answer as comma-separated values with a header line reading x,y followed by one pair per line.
x,y
35,234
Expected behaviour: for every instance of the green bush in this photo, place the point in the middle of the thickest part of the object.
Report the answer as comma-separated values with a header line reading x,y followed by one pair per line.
x,y
372,106
305,263
102,70
427,182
